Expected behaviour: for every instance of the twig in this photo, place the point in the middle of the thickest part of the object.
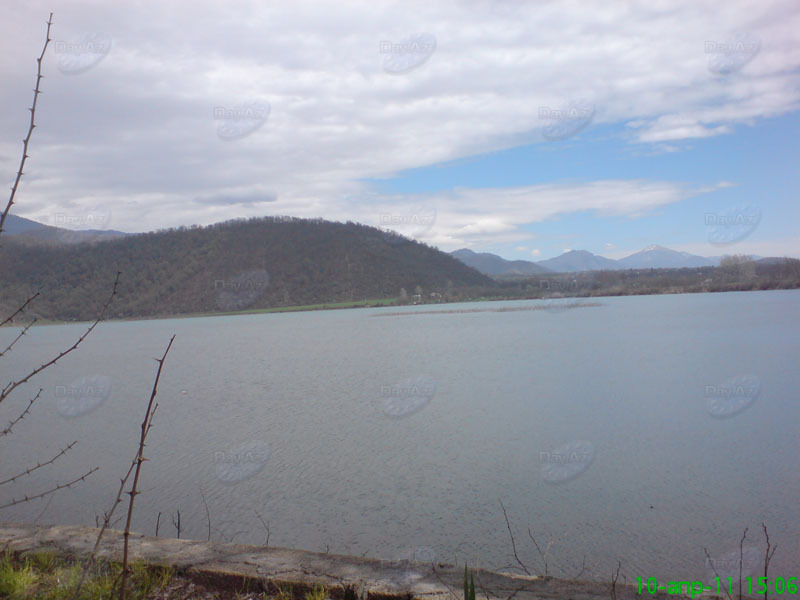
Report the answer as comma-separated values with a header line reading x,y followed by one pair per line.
x,y
111,524
147,423
713,568
158,520
19,310
13,422
583,567
60,486
741,560
46,506
518,590
767,558
19,337
522,588
444,583
177,523
225,537
513,544
107,519
266,527
208,515
40,465
544,559
480,585
31,127
14,384
614,577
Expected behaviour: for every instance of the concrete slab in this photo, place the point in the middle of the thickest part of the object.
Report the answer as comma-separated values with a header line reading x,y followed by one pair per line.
x,y
265,569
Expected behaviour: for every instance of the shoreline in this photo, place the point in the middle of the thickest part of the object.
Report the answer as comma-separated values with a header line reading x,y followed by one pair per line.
x,y
384,303
270,570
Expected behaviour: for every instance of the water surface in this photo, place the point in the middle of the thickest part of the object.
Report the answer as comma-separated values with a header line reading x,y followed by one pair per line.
x,y
284,416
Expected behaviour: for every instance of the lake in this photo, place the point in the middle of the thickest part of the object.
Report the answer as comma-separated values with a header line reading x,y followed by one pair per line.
x,y
642,430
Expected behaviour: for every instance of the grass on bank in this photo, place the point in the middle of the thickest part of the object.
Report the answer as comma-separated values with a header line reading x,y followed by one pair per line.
x,y
45,576
48,576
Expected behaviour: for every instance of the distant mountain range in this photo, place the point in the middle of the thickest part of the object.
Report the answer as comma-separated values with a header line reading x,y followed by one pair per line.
x,y
578,260
658,257
652,257
493,265
573,261
33,232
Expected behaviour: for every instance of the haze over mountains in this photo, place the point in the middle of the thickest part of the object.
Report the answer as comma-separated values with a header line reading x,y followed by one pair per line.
x,y
652,257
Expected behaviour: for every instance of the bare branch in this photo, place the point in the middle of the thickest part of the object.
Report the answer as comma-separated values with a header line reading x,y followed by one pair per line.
x,y
767,558
14,384
523,588
614,577
19,310
46,506
105,515
481,586
39,465
107,518
208,515
713,568
741,560
544,559
513,544
266,527
50,491
222,533
444,583
177,523
19,337
146,425
583,567
13,422
31,127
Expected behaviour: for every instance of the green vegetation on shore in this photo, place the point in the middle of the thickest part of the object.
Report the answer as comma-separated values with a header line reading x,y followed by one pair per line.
x,y
51,576
280,265
303,263
46,576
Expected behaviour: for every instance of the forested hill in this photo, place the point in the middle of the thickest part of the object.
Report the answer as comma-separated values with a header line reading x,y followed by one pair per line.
x,y
258,263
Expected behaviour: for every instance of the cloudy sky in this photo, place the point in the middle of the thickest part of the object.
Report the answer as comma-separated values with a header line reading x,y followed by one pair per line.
x,y
520,128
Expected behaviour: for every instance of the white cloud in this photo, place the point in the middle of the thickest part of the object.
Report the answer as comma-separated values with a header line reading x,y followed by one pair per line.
x,y
137,132
468,217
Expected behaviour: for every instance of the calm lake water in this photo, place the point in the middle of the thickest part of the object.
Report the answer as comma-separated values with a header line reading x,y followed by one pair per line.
x,y
643,430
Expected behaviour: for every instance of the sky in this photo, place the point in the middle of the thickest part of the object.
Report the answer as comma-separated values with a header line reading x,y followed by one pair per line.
x,y
525,129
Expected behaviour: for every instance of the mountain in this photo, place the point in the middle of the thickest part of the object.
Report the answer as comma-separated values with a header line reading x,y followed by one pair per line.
x,y
578,260
652,257
773,260
658,257
15,225
33,232
494,266
243,264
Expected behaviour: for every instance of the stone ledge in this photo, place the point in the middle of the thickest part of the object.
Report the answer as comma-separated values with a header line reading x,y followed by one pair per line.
x,y
264,569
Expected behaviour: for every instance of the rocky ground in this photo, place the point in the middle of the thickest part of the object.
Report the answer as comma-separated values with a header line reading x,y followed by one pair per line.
x,y
206,570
